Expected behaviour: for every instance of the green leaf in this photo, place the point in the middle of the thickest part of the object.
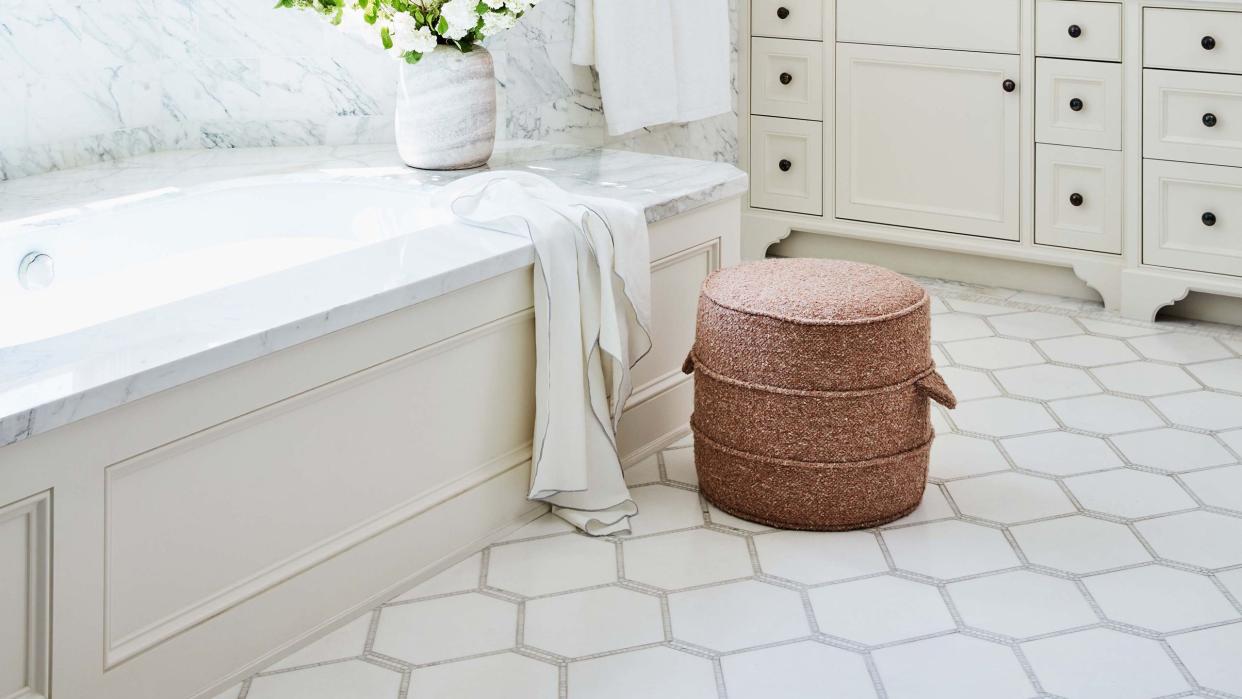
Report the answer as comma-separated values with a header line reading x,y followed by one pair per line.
x,y
386,37
413,57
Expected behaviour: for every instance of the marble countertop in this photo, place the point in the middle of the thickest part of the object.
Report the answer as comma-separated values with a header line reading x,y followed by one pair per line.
x,y
53,382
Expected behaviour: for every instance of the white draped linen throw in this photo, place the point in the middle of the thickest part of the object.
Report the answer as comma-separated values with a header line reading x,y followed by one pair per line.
x,y
592,324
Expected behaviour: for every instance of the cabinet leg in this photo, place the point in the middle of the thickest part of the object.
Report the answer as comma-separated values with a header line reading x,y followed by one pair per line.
x,y
758,235
1143,295
1105,278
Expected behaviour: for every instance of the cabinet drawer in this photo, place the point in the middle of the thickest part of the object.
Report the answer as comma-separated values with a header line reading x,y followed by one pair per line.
x,y
972,25
789,19
1075,29
1078,198
787,165
787,78
1192,116
928,139
1180,201
1192,40
1078,103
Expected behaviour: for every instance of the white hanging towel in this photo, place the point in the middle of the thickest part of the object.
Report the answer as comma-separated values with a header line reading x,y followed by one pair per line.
x,y
659,61
592,324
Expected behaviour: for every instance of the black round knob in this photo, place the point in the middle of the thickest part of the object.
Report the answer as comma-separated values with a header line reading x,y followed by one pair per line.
x,y
1009,85
1208,43
1075,31
1209,219
784,165
786,78
1076,199
782,12
1209,120
1076,104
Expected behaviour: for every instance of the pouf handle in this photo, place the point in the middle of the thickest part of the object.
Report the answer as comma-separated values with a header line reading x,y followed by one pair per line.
x,y
935,387
687,367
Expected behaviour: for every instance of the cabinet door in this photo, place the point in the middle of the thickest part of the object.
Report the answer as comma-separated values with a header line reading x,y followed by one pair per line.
x,y
928,139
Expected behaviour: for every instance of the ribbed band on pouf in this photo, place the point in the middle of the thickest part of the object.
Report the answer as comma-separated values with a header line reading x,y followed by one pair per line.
x,y
811,393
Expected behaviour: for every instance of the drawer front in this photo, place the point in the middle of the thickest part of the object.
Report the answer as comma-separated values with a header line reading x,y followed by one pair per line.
x,y
787,165
1192,40
789,19
1195,117
1078,198
787,78
1180,200
973,25
1075,29
1078,103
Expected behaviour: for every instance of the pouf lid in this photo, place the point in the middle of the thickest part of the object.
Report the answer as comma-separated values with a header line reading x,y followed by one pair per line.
x,y
814,291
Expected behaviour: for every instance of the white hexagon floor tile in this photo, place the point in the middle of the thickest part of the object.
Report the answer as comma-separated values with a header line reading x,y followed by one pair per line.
x,y
444,628
1061,453
1219,487
1213,656
1180,348
796,671
664,508
588,622
969,384
686,559
817,557
720,518
1035,325
1159,598
1047,382
880,610
1106,414
1204,539
950,549
737,615
507,675
1087,351
1172,449
1002,417
655,673
952,667
956,455
993,353
679,465
1009,497
557,564
947,327
1225,374
1021,604
1103,664
352,678
1206,410
1128,493
1145,378
1079,544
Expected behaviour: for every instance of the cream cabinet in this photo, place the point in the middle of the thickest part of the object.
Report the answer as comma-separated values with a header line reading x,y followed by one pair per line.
x,y
928,139
1093,146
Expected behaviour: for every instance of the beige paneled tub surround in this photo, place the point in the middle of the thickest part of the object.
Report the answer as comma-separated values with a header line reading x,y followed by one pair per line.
x,y
190,491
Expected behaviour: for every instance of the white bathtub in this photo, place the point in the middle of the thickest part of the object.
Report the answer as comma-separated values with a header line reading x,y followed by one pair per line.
x,y
119,257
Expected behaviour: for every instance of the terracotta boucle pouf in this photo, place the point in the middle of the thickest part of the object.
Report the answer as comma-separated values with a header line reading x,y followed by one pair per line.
x,y
812,380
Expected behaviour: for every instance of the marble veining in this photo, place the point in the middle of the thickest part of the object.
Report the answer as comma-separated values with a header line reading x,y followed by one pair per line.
x,y
52,382
151,75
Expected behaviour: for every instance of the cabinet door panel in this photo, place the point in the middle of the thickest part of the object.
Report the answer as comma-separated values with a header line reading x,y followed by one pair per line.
x,y
928,139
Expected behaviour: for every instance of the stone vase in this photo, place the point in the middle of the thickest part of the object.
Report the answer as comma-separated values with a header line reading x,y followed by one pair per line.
x,y
446,110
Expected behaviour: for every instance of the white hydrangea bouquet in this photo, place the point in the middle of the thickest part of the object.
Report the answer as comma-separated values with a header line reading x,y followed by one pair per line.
x,y
412,29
